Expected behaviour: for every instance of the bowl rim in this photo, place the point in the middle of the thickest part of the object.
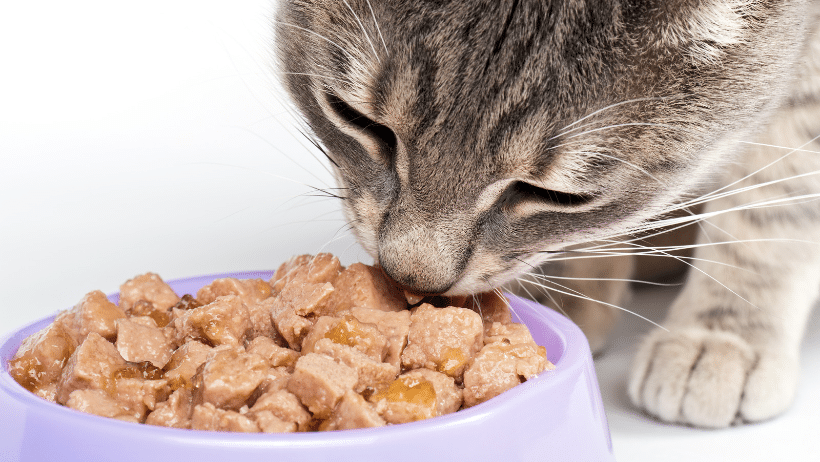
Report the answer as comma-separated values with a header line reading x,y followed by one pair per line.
x,y
567,367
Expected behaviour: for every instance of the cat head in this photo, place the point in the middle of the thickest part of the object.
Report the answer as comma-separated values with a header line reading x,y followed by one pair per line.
x,y
471,138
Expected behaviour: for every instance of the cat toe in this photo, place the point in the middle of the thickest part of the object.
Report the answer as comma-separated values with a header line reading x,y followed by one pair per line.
x,y
707,379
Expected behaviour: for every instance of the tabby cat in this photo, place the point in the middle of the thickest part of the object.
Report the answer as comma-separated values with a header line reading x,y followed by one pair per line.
x,y
475,141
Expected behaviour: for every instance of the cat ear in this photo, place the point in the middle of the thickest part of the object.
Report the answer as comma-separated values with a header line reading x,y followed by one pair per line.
x,y
699,29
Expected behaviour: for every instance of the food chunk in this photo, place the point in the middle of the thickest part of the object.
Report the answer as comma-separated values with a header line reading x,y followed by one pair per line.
x,y
174,412
149,287
364,286
138,342
93,366
99,403
225,321
443,339
228,378
268,422
492,307
318,269
93,313
353,412
183,364
406,399
448,395
39,361
320,383
371,373
285,406
394,325
293,304
348,331
277,356
208,417
248,290
139,396
500,366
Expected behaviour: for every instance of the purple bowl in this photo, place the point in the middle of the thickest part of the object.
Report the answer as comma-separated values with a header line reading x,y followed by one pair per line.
x,y
555,416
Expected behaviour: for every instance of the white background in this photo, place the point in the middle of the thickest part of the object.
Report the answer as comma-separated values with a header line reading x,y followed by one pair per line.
x,y
152,136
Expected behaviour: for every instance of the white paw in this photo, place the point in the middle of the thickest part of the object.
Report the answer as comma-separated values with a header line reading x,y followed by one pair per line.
x,y
711,378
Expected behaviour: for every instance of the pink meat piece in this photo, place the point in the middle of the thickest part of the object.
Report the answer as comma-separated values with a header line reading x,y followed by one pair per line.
x,y
320,383
277,356
99,403
364,286
93,365
39,360
93,313
225,321
174,412
208,417
394,325
351,413
500,366
138,341
449,396
229,377
443,339
318,269
284,405
268,422
249,290
406,399
184,363
371,374
149,287
290,307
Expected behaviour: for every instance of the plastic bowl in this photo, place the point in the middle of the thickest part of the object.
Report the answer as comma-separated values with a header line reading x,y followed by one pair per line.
x,y
555,416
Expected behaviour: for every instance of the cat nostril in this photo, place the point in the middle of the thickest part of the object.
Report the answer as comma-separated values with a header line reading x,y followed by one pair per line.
x,y
411,285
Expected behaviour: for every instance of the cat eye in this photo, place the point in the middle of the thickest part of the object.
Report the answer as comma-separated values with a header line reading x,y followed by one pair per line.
x,y
521,190
356,119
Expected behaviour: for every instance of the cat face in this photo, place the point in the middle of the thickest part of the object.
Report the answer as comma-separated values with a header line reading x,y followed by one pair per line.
x,y
473,137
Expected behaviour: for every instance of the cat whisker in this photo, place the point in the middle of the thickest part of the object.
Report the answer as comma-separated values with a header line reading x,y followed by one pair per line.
x,y
364,31
378,29
634,281
566,130
350,56
574,293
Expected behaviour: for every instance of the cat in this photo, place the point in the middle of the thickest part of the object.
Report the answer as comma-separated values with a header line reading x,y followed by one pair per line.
x,y
481,144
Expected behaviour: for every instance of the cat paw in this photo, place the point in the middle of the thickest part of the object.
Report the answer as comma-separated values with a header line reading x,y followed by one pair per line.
x,y
710,378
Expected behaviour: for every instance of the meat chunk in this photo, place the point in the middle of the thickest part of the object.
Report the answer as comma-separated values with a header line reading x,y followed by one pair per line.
x,y
208,417
139,396
184,362
39,361
277,356
500,366
353,412
138,342
348,331
268,422
320,383
448,395
285,406
99,403
93,366
371,373
406,399
174,412
364,286
248,290
149,287
93,313
142,308
318,269
443,339
229,377
511,334
225,321
394,325
293,304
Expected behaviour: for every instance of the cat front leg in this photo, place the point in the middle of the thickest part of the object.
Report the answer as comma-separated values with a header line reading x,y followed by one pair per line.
x,y
731,352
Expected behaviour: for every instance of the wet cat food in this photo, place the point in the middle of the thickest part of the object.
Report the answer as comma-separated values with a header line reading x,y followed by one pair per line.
x,y
317,347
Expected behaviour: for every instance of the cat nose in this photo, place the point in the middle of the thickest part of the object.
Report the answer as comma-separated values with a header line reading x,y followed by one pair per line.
x,y
420,260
